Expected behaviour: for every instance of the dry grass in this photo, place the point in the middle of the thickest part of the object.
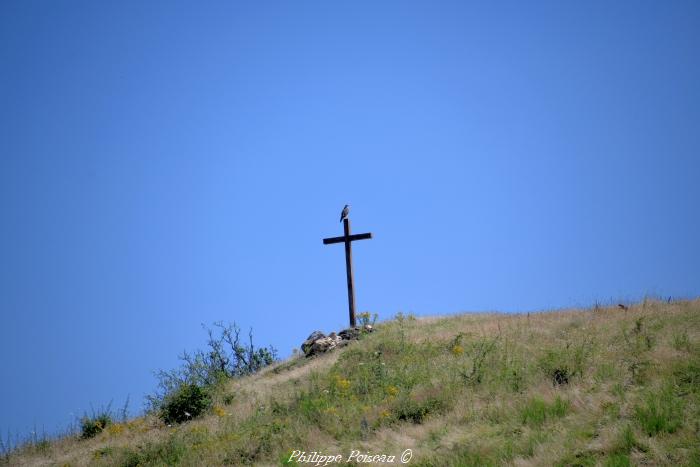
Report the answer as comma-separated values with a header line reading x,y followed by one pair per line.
x,y
491,401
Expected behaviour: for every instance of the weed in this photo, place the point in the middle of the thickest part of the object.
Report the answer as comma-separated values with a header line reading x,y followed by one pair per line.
x,y
365,320
640,338
477,353
515,380
125,410
638,342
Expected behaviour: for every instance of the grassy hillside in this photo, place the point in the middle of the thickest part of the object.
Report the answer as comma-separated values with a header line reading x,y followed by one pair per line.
x,y
581,387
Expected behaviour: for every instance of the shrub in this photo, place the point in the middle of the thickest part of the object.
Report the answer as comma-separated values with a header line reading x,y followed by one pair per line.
x,y
92,426
188,402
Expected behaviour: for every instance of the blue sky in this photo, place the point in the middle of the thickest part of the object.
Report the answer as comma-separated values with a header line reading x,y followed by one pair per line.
x,y
168,164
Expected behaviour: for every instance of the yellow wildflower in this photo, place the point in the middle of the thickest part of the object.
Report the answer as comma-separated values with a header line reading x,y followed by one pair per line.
x,y
115,429
342,383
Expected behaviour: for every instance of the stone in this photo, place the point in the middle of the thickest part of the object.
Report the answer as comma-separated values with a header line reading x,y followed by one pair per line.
x,y
354,333
318,342
325,344
313,337
349,334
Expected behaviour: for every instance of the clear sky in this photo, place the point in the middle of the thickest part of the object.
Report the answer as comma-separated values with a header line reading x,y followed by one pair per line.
x,y
168,164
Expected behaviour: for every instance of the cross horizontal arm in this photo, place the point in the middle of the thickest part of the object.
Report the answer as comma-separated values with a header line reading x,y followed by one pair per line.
x,y
351,238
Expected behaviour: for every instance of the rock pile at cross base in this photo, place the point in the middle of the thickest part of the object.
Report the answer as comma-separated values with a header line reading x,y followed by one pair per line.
x,y
318,343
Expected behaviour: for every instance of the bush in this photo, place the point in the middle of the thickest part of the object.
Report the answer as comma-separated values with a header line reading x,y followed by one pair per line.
x,y
92,426
188,402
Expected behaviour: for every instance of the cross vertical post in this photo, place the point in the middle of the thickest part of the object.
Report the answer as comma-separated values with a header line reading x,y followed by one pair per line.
x,y
348,270
347,239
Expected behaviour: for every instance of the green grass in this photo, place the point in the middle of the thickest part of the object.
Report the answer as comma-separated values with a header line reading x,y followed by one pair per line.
x,y
660,412
536,411
590,387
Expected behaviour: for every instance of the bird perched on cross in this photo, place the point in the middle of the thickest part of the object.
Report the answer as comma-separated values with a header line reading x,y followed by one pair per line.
x,y
344,214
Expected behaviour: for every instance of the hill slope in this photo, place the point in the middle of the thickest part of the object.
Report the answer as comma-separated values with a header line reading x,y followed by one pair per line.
x,y
578,387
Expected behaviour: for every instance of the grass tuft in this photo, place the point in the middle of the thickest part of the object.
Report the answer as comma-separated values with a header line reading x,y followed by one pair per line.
x,y
661,412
